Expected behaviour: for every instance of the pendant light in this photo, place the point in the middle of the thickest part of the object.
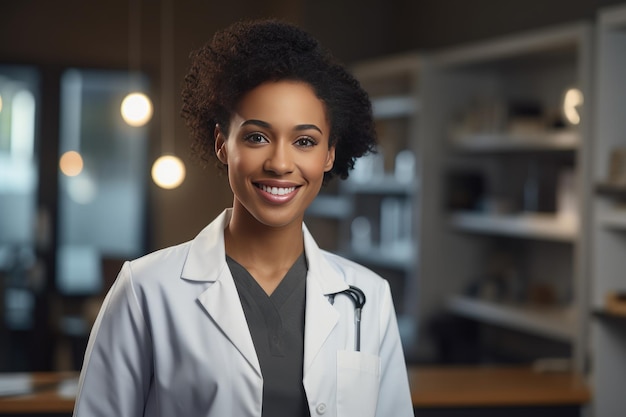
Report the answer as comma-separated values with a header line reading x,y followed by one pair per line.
x,y
168,171
136,107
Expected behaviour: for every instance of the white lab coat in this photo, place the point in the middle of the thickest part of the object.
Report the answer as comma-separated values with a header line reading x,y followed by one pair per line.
x,y
172,340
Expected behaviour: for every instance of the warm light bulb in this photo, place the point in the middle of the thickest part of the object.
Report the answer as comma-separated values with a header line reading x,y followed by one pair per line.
x,y
136,109
168,172
572,101
0,103
71,163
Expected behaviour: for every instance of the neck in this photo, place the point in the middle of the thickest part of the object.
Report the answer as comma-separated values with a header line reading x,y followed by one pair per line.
x,y
260,247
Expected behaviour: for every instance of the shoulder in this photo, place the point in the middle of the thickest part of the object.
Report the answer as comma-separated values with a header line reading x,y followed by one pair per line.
x,y
160,264
194,257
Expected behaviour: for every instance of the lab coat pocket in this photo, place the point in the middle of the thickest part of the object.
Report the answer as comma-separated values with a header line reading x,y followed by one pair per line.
x,y
358,376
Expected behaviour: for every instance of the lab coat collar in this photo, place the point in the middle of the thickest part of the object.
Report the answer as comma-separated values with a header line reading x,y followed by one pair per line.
x,y
206,258
206,261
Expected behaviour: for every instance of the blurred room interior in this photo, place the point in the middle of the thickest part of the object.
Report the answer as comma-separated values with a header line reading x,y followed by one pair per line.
x,y
498,253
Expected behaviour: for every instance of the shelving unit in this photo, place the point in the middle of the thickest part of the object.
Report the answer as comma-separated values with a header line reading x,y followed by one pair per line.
x,y
374,215
608,225
552,322
531,226
536,141
506,184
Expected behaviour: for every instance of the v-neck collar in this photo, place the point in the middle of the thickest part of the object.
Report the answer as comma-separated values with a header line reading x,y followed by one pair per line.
x,y
287,285
265,314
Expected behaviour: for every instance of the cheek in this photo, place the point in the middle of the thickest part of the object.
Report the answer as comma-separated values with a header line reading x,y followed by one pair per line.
x,y
314,168
239,162
241,166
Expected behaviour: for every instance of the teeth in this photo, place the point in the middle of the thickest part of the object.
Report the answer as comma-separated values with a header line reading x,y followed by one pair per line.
x,y
277,190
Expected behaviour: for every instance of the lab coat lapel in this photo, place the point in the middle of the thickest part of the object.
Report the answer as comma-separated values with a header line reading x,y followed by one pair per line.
x,y
320,317
206,261
221,301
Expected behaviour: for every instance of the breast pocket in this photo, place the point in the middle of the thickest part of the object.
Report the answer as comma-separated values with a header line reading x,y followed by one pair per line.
x,y
358,378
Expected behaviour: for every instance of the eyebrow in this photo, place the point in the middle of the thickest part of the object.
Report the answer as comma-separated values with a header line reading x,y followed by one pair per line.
x,y
266,125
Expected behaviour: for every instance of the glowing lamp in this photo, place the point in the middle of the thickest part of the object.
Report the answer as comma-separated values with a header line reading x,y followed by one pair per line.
x,y
168,172
136,109
71,163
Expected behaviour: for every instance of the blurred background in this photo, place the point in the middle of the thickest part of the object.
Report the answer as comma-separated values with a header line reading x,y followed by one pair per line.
x,y
79,193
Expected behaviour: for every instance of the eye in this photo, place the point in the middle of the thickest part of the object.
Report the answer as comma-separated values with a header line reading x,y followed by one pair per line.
x,y
305,142
255,137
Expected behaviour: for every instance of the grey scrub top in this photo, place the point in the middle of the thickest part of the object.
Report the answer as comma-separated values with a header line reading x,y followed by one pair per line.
x,y
276,324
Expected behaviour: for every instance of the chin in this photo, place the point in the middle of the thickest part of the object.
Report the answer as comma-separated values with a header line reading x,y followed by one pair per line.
x,y
278,221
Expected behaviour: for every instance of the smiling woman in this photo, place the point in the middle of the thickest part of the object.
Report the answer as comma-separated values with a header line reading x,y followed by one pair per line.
x,y
243,320
277,151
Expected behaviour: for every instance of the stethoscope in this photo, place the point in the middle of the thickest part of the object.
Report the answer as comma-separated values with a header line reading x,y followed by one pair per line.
x,y
358,298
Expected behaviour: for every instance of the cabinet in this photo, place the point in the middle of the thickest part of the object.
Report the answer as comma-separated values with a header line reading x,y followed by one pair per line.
x,y
608,225
373,217
506,174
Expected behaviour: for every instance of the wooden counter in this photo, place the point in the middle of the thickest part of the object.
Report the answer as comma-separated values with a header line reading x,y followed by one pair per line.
x,y
433,387
47,395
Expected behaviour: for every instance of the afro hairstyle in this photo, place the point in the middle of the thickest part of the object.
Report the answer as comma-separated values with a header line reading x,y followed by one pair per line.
x,y
248,54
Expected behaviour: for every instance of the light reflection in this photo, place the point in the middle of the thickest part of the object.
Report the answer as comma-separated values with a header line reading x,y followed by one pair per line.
x,y
136,109
22,125
71,163
168,172
82,188
572,102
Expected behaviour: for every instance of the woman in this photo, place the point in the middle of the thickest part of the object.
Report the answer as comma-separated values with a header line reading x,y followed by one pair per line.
x,y
251,318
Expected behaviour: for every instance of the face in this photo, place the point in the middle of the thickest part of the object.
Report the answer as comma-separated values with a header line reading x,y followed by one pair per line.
x,y
277,152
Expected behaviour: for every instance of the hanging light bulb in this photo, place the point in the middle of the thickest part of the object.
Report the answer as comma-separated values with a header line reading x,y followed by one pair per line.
x,y
71,163
168,172
136,109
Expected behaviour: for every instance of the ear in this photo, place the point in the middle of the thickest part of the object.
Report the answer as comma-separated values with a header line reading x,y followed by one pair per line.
x,y
220,145
330,159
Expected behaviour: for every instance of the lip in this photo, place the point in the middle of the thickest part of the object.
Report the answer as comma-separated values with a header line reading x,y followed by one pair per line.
x,y
282,192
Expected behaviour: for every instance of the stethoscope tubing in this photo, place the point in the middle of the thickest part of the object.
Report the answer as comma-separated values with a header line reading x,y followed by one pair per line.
x,y
358,298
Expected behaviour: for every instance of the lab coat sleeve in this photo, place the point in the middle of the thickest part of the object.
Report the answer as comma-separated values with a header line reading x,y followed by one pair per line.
x,y
117,370
394,395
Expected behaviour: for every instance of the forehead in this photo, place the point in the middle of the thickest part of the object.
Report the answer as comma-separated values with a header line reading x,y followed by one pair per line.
x,y
283,102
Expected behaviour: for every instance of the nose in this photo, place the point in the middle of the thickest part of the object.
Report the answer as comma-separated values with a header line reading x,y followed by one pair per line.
x,y
280,159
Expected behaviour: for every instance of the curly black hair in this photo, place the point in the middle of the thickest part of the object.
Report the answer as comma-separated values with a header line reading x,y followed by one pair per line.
x,y
247,54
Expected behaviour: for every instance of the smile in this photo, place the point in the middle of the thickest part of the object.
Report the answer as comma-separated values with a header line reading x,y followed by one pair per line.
x,y
276,190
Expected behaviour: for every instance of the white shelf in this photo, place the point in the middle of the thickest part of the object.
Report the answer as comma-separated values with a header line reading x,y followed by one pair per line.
x,y
401,258
566,140
614,220
532,226
554,322
394,106
613,17
388,184
548,41
330,206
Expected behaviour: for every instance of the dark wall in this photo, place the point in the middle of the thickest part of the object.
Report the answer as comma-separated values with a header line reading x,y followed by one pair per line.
x,y
362,29
448,22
